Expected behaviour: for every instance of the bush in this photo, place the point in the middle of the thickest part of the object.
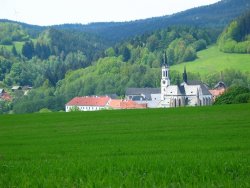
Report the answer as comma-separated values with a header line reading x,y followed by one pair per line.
x,y
242,98
45,110
235,94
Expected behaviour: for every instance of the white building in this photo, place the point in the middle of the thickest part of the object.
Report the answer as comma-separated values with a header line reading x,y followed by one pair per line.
x,y
93,103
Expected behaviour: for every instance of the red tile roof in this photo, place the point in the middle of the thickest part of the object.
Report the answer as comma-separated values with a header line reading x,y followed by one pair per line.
x,y
6,97
115,103
217,92
89,101
125,104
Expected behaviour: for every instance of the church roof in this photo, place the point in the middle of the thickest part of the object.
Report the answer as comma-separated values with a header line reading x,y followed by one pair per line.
x,y
182,89
194,82
204,89
220,85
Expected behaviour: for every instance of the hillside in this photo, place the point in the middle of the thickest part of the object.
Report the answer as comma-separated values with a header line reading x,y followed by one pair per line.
x,y
185,147
212,60
217,15
236,37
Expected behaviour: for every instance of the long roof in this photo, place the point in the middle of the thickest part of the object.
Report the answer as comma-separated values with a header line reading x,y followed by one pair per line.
x,y
138,91
125,104
89,101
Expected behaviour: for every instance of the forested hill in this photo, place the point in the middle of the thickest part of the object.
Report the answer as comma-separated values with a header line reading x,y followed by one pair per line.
x,y
217,15
236,37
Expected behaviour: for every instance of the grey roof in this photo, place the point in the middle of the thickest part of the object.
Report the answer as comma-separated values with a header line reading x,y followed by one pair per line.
x,y
138,91
16,87
138,98
204,90
113,96
143,91
194,82
220,84
182,89
1,90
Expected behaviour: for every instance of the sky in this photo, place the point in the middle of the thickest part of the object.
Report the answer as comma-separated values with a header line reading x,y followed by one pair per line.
x,y
51,12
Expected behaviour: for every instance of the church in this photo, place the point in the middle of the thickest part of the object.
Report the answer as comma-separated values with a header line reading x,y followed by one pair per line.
x,y
188,93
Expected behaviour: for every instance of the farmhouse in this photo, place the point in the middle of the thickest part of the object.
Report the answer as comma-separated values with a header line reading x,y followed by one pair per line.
x,y
93,103
4,95
16,88
218,90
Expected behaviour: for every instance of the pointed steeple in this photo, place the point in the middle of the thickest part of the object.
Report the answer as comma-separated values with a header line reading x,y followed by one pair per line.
x,y
185,75
165,60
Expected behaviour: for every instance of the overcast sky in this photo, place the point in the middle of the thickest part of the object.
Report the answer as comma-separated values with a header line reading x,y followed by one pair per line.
x,y
50,12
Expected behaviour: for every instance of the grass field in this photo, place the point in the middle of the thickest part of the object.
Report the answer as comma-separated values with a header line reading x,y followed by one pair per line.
x,y
18,46
185,147
212,60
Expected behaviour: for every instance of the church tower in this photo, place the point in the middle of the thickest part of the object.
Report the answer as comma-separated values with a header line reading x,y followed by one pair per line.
x,y
165,80
185,78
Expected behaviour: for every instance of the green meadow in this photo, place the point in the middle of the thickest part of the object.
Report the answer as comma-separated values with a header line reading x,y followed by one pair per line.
x,y
183,147
213,60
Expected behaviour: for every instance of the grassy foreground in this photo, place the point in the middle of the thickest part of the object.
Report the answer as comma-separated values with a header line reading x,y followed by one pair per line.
x,y
185,147
213,60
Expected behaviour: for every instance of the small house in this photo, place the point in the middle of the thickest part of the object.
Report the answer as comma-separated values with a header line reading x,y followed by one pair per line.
x,y
16,88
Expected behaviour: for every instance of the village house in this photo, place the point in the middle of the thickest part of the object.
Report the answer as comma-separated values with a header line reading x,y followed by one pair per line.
x,y
92,103
4,95
218,90
16,88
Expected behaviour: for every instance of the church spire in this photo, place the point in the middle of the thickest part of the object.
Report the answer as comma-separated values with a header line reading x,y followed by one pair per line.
x,y
165,60
185,75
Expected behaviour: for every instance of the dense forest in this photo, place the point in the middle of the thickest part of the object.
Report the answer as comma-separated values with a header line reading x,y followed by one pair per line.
x,y
236,37
60,63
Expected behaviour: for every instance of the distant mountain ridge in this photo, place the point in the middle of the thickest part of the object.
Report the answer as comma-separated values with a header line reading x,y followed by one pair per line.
x,y
216,15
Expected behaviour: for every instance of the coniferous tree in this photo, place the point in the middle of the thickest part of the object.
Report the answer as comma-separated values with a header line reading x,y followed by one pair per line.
x,y
28,49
